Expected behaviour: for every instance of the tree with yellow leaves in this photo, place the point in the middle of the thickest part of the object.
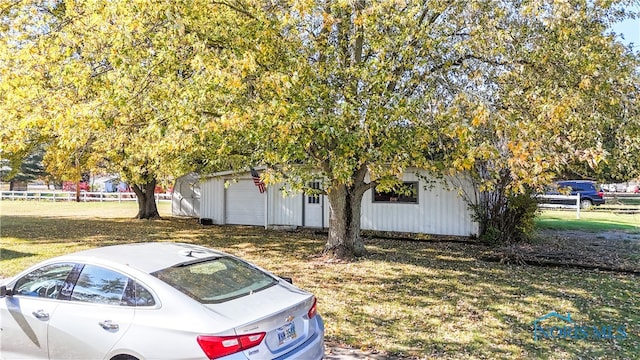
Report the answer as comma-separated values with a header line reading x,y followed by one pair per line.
x,y
114,86
503,94
353,92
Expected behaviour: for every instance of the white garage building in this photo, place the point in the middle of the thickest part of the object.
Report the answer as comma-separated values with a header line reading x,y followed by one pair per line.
x,y
234,199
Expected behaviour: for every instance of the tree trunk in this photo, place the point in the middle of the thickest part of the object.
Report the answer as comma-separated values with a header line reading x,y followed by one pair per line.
x,y
344,222
147,208
77,191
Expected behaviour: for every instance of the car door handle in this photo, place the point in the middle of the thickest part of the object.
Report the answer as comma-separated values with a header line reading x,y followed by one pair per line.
x,y
40,314
108,325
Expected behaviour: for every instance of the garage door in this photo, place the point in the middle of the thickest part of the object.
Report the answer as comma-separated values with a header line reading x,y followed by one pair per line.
x,y
244,204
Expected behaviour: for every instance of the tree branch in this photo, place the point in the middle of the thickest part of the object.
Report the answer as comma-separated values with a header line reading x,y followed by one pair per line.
x,y
8,6
235,8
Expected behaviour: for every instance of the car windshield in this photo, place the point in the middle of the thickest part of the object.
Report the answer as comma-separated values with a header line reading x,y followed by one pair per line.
x,y
216,280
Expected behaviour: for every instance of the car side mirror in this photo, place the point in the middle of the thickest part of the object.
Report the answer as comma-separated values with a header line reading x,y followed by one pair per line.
x,y
287,279
4,291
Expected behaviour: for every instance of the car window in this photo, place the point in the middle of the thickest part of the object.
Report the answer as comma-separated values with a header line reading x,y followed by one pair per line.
x,y
46,281
551,189
99,285
566,185
216,280
577,187
136,295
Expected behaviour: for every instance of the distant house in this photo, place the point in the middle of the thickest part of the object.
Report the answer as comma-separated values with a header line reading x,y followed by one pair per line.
x,y
234,199
101,183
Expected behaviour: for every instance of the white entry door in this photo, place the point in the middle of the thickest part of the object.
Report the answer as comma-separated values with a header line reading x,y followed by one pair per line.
x,y
314,208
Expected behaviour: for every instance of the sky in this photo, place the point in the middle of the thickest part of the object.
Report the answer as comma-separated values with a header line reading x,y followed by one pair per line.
x,y
631,31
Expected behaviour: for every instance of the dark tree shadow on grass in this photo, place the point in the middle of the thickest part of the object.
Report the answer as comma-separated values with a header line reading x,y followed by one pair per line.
x,y
101,232
6,254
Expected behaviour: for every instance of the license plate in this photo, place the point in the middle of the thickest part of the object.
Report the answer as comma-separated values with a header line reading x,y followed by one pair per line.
x,y
286,333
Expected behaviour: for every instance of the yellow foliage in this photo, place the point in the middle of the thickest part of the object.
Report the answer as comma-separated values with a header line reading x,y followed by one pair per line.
x,y
585,83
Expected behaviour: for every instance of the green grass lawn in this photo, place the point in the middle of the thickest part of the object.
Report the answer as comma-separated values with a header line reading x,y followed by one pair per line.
x,y
421,299
624,200
593,221
113,209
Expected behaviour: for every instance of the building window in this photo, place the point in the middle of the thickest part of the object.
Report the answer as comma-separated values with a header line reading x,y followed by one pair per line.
x,y
314,198
407,194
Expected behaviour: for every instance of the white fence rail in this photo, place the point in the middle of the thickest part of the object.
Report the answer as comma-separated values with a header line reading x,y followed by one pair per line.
x,y
565,198
71,196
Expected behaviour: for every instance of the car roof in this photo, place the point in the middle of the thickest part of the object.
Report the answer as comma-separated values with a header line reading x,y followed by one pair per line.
x,y
148,257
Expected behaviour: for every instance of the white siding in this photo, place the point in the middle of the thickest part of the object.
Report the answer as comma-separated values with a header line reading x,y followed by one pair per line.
x,y
185,198
212,200
438,211
284,210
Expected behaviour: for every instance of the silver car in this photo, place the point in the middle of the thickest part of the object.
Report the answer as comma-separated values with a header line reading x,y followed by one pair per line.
x,y
156,301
